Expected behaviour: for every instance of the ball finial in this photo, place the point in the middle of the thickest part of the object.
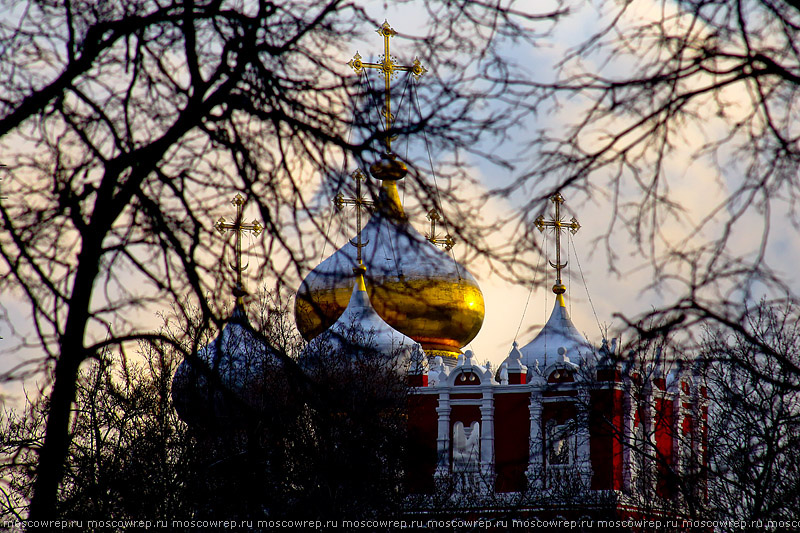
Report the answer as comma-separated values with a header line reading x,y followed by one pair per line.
x,y
388,167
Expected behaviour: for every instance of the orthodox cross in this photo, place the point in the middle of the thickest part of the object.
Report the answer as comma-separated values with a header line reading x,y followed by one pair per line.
x,y
388,68
239,228
448,242
557,224
359,202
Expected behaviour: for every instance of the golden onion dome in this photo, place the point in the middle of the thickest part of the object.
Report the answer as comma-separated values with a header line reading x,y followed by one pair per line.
x,y
413,285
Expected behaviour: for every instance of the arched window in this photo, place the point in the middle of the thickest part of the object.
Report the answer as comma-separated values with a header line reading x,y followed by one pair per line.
x,y
466,447
561,442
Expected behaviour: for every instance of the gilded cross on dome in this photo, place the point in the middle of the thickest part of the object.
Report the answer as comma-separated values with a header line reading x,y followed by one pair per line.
x,y
359,202
222,226
388,67
447,242
557,225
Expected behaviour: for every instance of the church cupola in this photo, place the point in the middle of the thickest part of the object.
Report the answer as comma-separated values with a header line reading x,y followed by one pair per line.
x,y
559,339
221,382
416,287
559,333
361,331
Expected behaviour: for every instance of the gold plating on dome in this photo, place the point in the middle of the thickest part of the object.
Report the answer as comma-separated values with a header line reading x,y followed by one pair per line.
x,y
444,354
440,314
388,168
443,310
390,200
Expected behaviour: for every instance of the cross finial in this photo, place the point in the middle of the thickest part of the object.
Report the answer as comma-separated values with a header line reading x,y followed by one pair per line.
x,y
557,224
238,227
447,242
388,67
359,202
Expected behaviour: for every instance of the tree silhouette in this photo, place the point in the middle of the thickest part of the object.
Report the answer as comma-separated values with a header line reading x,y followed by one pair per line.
x,y
754,412
291,455
124,125
662,99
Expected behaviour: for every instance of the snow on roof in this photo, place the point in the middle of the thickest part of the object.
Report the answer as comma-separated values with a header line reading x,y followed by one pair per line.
x,y
558,332
237,358
360,325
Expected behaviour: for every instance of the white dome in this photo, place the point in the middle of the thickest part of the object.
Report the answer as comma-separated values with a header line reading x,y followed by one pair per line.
x,y
236,361
360,328
416,287
558,332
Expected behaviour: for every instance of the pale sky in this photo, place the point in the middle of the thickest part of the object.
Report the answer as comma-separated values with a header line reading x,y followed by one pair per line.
x,y
696,186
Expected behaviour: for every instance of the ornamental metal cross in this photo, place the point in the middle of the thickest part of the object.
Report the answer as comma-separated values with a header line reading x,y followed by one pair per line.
x,y
238,227
558,225
448,242
389,67
359,202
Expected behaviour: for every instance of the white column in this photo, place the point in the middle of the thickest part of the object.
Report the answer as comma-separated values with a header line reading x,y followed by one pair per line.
x,y
584,458
487,436
535,473
699,403
628,435
443,438
681,443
